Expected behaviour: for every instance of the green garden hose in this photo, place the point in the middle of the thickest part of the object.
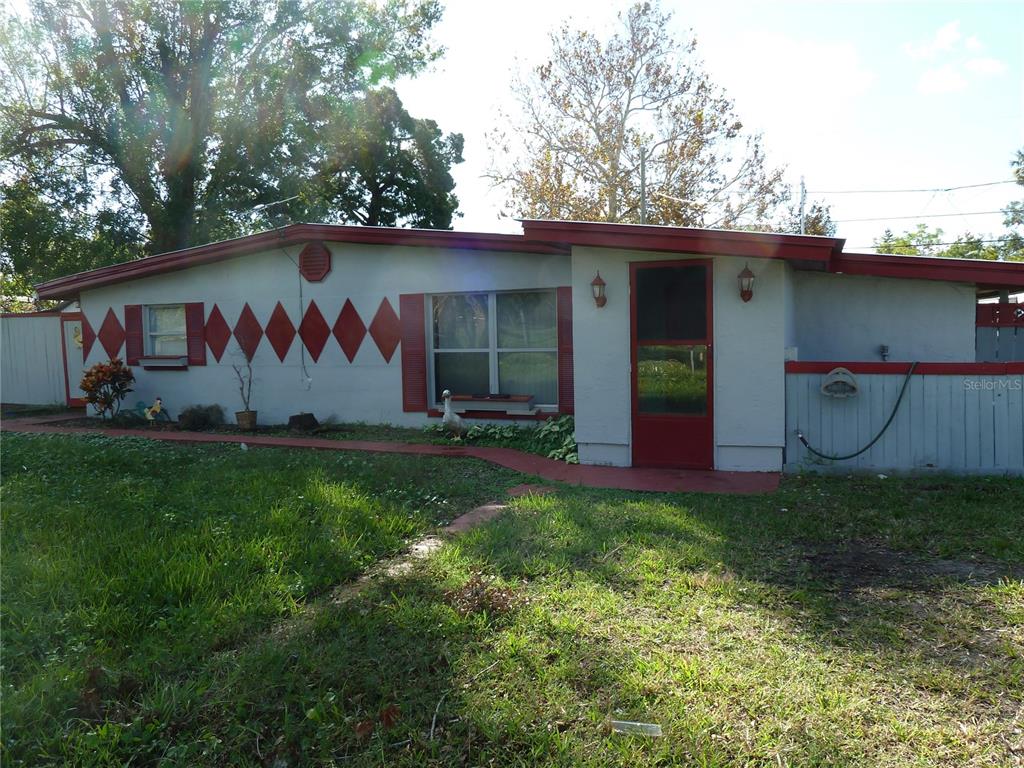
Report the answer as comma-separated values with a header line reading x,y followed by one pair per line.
x,y
876,438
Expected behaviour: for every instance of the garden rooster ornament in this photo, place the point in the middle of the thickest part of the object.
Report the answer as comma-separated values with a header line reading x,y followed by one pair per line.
x,y
153,412
451,421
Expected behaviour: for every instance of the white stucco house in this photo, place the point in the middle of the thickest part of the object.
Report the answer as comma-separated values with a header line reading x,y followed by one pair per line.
x,y
704,349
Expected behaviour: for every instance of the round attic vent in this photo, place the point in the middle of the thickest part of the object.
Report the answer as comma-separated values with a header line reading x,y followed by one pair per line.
x,y
839,382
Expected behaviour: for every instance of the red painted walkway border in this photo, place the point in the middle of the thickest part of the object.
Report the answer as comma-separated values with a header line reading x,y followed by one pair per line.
x,y
622,478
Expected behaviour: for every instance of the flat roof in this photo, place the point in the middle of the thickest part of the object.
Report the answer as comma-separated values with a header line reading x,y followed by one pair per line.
x,y
544,237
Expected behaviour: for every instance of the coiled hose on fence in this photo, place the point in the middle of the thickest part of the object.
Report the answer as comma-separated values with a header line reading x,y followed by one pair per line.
x,y
876,438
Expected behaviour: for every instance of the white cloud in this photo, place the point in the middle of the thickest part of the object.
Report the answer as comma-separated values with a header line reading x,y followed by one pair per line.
x,y
955,61
945,79
985,65
943,41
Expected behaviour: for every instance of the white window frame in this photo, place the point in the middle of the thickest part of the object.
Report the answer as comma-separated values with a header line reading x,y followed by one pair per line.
x,y
493,350
148,347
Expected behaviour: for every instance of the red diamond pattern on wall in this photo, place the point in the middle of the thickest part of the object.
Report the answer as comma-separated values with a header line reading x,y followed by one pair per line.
x,y
248,332
111,334
218,333
385,330
280,331
88,337
313,330
349,330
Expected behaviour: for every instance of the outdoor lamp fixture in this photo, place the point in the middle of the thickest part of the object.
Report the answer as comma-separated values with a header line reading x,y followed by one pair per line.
x,y
746,278
597,288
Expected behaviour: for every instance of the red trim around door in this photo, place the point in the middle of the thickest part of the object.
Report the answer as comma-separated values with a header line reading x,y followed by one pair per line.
x,y
72,402
702,456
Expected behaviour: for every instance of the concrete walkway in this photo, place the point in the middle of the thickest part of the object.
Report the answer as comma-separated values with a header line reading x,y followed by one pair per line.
x,y
622,478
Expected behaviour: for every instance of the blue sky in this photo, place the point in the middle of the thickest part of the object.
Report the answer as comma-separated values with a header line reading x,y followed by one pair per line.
x,y
852,95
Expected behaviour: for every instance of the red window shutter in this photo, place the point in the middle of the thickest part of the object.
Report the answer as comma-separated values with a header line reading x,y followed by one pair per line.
x,y
566,401
195,333
414,352
133,348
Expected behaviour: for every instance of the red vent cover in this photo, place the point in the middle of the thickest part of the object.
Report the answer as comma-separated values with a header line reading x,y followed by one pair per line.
x,y
315,262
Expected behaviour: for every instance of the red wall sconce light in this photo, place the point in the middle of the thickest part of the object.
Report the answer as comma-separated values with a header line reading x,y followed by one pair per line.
x,y
597,288
746,278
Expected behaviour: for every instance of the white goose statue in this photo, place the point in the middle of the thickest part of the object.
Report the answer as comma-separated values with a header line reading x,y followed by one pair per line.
x,y
451,421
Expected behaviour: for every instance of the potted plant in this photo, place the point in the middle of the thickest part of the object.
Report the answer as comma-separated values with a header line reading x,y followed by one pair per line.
x,y
246,418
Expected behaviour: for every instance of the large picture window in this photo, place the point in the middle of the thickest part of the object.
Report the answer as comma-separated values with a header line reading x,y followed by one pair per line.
x,y
165,330
496,343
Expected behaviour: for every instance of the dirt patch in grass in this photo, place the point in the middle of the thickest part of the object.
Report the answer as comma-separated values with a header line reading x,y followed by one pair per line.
x,y
860,565
482,593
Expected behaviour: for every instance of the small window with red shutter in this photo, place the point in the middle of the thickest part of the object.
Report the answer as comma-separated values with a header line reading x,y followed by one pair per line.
x,y
165,335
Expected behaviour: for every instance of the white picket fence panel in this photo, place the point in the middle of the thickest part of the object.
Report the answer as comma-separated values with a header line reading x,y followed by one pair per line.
x,y
957,423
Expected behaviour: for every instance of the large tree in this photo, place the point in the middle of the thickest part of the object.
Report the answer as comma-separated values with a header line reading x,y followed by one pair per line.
x,y
48,228
193,114
595,109
393,168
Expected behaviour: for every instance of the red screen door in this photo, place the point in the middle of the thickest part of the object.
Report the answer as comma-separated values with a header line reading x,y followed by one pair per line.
x,y
671,349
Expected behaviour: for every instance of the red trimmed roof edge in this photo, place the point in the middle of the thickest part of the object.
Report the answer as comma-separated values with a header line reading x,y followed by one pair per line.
x,y
290,235
557,237
722,242
983,273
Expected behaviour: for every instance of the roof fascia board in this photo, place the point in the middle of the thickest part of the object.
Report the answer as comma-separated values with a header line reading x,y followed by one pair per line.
x,y
294,234
721,242
972,271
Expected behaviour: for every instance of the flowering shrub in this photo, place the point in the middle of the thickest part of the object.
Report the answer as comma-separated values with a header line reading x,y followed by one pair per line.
x,y
106,385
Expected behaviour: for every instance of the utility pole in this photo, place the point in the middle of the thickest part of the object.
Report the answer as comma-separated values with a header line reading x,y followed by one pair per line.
x,y
643,185
803,204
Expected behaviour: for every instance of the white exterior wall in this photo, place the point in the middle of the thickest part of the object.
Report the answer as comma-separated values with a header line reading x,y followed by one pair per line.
x,y
749,378
828,317
369,388
847,318
31,361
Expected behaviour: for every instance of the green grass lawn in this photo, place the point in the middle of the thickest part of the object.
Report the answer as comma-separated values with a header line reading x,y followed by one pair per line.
x,y
171,605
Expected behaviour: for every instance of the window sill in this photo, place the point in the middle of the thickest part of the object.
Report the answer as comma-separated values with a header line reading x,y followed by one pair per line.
x,y
497,415
510,404
164,363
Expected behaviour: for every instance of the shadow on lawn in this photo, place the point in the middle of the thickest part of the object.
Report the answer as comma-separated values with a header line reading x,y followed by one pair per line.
x,y
843,588
538,685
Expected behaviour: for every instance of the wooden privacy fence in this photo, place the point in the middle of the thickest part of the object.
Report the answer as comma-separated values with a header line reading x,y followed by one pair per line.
x,y
999,333
41,358
955,417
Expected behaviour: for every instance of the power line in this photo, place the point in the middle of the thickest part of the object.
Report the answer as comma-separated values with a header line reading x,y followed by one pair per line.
x,y
895,191
932,245
919,216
